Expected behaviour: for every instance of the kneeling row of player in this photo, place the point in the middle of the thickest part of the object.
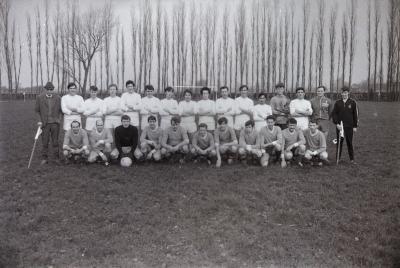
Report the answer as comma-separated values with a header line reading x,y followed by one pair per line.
x,y
156,143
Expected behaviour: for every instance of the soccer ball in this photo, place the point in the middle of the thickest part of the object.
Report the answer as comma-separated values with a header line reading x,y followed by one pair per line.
x,y
126,162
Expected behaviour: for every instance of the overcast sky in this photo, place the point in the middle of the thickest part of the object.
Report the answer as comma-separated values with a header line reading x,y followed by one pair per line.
x,y
122,10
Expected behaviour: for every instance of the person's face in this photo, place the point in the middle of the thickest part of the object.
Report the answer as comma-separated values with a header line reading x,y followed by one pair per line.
x,y
224,93
73,90
99,126
169,94
312,127
174,125
222,126
75,128
248,129
270,123
49,91
205,95
280,90
149,93
292,127
262,99
300,94
188,96
130,88
244,92
93,94
152,124
203,131
126,123
113,91
320,92
345,94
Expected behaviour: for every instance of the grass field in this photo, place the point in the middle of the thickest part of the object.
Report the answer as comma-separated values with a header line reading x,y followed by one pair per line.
x,y
159,215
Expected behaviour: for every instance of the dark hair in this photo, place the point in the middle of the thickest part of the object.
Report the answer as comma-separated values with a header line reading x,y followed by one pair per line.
x,y
148,87
242,87
202,125
292,121
125,117
169,89
221,88
222,120
72,84
151,117
93,88
262,94
205,89
345,89
270,117
322,87
187,91
113,85
300,88
249,123
313,121
129,82
176,119
280,84
75,121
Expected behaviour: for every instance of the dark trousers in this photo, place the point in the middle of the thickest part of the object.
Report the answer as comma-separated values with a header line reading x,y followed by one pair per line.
x,y
50,130
348,135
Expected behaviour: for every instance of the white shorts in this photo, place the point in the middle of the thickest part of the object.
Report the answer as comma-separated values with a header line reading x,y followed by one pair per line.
x,y
91,123
259,124
209,121
68,119
134,116
240,120
189,123
302,122
112,121
165,121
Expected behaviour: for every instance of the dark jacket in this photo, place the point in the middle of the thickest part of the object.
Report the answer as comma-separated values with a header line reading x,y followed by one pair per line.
x,y
42,108
346,112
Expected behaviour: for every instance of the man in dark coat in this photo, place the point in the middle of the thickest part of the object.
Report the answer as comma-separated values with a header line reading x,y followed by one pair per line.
x,y
48,109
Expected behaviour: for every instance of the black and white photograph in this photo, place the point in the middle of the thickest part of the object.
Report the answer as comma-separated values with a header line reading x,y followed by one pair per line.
x,y
199,133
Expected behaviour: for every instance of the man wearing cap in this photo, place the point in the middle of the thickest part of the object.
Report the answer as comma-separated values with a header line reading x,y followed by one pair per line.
x,y
92,109
48,109
345,110
280,106
72,106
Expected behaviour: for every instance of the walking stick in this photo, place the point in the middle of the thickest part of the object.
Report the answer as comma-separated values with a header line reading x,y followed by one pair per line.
x,y
38,132
341,136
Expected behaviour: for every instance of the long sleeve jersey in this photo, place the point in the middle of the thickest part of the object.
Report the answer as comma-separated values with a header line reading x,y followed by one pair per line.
x,y
346,112
69,103
290,138
93,107
316,141
95,136
76,141
126,137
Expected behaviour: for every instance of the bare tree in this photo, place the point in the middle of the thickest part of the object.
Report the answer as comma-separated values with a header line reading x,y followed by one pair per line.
x,y
345,37
122,57
338,70
298,58
29,41
352,21
286,57
376,24
166,51
5,28
225,43
381,66
134,30
39,69
320,40
306,14
46,27
332,44
263,44
117,72
159,43
241,37
369,49
311,57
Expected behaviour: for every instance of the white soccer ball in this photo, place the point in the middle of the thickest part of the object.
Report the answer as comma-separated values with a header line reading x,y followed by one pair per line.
x,y
126,162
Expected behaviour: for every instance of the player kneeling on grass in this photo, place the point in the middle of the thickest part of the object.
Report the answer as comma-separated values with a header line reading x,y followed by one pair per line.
x,y
316,143
126,140
150,140
225,140
203,145
76,142
100,140
270,140
293,142
175,140
248,143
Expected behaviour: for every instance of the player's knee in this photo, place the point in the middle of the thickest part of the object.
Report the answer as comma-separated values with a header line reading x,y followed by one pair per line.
x,y
114,154
213,153
308,155
185,149
234,149
242,151
163,151
278,147
302,149
193,151
107,148
323,155
137,153
288,155
92,158
143,147
66,153
157,156
264,160
223,149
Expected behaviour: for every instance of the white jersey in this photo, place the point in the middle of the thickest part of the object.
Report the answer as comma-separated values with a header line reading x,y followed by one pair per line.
x,y
303,106
207,108
168,108
112,106
260,113
241,117
150,106
225,108
93,110
187,111
69,103
131,104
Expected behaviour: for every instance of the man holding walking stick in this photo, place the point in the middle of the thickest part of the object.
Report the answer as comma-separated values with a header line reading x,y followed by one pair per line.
x,y
345,117
48,109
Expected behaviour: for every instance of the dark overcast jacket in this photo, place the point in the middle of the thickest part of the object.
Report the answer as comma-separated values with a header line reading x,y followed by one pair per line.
x,y
346,112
